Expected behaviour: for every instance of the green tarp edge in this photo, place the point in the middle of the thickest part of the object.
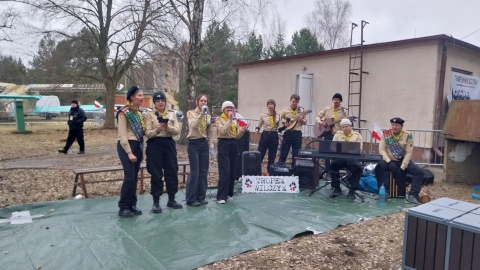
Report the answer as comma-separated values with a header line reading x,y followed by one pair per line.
x,y
87,234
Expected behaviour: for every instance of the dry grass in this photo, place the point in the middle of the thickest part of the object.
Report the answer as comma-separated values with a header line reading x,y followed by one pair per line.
x,y
372,244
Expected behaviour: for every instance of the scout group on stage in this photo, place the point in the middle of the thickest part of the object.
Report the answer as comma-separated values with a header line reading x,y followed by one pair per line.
x,y
159,126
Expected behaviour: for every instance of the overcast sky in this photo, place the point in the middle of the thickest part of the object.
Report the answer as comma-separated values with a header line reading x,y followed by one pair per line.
x,y
388,20
396,20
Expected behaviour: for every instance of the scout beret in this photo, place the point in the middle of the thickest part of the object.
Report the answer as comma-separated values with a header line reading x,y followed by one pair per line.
x,y
131,91
397,120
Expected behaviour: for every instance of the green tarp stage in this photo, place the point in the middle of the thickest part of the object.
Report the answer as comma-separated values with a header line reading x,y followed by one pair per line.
x,y
87,233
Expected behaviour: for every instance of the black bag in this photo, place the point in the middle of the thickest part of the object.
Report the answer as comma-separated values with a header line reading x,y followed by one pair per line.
x,y
280,169
428,177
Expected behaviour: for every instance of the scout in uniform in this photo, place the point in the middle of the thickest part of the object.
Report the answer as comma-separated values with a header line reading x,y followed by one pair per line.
x,y
228,132
200,144
396,147
269,137
161,125
291,116
131,129
346,135
334,112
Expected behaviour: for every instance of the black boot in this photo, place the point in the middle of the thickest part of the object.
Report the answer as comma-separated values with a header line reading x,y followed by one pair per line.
x,y
156,209
336,192
135,210
125,213
173,204
63,151
351,194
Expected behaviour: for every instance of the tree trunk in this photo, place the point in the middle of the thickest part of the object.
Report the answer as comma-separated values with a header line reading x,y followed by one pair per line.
x,y
110,102
195,44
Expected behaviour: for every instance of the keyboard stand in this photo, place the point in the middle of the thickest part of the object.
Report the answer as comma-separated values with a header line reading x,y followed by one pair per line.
x,y
344,180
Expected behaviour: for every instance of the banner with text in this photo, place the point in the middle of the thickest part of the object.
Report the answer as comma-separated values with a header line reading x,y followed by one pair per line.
x,y
464,87
270,184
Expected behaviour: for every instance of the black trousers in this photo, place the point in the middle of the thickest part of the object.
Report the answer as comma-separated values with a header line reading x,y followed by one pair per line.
x,y
268,141
243,144
383,169
72,135
197,179
128,193
354,167
291,138
162,161
227,163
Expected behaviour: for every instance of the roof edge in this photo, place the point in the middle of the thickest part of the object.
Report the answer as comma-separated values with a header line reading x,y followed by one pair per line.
x,y
426,39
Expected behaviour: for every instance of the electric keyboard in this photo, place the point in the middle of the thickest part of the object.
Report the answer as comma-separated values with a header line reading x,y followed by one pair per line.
x,y
359,157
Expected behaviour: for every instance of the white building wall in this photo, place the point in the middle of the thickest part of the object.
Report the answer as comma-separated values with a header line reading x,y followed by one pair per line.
x,y
401,82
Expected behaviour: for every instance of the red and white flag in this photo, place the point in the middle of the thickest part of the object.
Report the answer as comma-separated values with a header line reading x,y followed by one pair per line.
x,y
96,104
377,132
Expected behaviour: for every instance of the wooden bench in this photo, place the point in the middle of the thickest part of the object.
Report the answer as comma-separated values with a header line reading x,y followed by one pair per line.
x,y
81,172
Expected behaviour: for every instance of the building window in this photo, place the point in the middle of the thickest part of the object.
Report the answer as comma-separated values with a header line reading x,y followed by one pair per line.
x,y
461,71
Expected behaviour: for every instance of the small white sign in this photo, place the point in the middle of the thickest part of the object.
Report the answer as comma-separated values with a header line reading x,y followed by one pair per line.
x,y
270,184
21,217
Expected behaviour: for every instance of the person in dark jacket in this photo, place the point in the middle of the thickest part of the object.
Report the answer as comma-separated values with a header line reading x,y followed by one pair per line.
x,y
76,117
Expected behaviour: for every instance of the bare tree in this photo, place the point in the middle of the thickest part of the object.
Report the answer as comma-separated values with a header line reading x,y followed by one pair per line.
x,y
276,29
329,22
191,14
120,32
7,21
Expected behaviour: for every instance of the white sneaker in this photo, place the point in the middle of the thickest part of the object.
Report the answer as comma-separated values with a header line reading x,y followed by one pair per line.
x,y
229,198
221,201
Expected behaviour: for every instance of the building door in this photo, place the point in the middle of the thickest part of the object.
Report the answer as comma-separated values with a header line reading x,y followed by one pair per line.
x,y
305,91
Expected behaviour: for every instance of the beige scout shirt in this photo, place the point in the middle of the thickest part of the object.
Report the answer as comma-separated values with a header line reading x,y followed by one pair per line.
x,y
125,133
292,114
406,143
265,122
355,137
151,124
224,129
195,129
328,112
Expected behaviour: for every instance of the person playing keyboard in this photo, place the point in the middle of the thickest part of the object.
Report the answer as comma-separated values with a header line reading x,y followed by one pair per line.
x,y
346,134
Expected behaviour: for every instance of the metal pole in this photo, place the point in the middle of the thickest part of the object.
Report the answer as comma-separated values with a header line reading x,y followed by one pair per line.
x,y
361,76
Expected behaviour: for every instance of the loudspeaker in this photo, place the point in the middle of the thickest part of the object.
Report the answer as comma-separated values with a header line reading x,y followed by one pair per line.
x,y
251,163
308,172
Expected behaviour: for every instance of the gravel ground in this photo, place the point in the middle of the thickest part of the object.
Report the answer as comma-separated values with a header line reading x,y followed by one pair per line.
x,y
370,244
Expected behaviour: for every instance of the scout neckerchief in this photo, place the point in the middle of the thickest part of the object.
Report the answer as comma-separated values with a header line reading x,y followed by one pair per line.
x,y
272,122
294,112
136,122
347,138
392,142
203,120
234,130
164,114
335,116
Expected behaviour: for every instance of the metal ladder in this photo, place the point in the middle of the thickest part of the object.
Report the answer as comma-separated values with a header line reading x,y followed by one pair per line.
x,y
355,75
